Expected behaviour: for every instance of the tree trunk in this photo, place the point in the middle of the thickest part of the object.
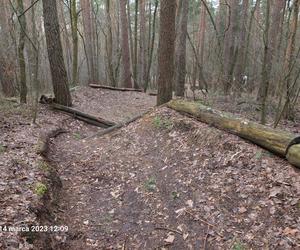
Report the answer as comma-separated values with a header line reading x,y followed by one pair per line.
x,y
74,24
67,47
7,58
152,34
109,44
241,63
166,51
89,37
265,66
273,38
125,80
229,45
142,52
135,58
181,49
276,141
202,31
55,54
21,57
289,60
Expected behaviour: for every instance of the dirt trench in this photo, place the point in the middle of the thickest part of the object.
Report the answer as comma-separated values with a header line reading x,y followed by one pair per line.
x,y
166,182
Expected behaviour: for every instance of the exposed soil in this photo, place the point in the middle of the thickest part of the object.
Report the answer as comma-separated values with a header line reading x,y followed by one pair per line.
x,y
166,181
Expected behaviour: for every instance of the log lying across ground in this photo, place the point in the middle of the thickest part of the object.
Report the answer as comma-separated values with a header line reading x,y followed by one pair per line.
x,y
99,122
114,88
118,126
277,141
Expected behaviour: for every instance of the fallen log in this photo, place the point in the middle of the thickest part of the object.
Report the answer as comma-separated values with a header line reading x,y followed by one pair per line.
x,y
277,141
118,126
152,93
99,122
97,86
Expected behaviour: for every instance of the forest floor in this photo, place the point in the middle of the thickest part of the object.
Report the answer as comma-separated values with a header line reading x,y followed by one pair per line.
x,y
164,181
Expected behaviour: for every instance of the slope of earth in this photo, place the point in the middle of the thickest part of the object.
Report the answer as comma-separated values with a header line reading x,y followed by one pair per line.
x,y
114,106
25,174
22,171
169,182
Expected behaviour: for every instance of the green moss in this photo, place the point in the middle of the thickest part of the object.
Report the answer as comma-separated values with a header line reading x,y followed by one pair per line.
x,y
175,195
162,123
150,184
77,136
2,149
238,246
40,189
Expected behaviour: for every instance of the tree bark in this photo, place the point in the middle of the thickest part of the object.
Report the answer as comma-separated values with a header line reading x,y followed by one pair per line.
x,y
74,27
89,37
142,51
125,80
166,51
55,54
241,63
289,59
274,23
135,52
276,141
7,58
151,47
202,31
181,50
109,44
266,67
21,57
229,45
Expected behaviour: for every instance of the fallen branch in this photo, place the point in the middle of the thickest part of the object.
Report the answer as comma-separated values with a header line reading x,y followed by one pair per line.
x,y
205,222
152,93
117,126
169,229
99,122
279,142
97,86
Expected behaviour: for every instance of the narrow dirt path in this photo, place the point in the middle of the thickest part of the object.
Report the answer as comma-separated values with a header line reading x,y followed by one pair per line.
x,y
169,182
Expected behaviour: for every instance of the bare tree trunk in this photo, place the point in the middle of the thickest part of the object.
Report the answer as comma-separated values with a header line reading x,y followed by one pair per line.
x,y
89,37
21,57
67,48
152,34
265,66
202,31
6,57
55,54
289,59
166,51
254,10
109,44
181,50
229,46
241,63
142,52
35,55
131,43
288,65
125,80
135,52
273,38
74,24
